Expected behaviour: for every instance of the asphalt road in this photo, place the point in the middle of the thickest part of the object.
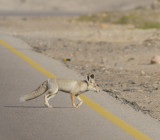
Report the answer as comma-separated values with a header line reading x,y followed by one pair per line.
x,y
32,121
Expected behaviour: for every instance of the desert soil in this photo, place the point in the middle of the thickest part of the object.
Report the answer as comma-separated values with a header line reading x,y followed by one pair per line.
x,y
118,55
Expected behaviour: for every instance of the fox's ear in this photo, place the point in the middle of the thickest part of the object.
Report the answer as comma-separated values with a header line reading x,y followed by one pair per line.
x,y
88,78
92,76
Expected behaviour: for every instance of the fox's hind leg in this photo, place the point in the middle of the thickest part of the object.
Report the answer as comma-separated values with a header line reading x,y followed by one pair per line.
x,y
48,96
51,92
46,99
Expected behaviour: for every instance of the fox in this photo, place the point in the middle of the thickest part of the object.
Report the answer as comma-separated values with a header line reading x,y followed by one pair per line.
x,y
51,87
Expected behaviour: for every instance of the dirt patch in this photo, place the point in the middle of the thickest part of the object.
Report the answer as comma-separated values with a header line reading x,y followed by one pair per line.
x,y
119,55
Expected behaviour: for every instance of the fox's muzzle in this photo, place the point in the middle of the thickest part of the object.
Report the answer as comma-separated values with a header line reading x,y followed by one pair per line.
x,y
97,89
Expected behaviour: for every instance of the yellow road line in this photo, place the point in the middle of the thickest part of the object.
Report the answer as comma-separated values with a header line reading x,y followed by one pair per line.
x,y
123,125
28,60
126,127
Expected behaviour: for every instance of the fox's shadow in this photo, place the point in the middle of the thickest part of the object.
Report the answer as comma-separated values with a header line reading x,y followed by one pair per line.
x,y
34,107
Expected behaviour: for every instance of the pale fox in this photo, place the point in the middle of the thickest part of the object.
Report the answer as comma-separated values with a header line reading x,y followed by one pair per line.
x,y
51,87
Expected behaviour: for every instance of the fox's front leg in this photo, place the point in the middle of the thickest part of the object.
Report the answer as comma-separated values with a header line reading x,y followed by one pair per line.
x,y
72,99
79,99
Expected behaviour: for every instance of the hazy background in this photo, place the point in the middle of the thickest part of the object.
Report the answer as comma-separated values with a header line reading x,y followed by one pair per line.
x,y
82,6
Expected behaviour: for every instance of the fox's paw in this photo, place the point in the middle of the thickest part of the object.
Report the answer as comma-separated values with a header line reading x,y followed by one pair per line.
x,y
49,106
74,105
77,106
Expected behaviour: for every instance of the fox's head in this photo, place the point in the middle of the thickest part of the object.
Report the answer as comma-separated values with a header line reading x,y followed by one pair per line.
x,y
91,83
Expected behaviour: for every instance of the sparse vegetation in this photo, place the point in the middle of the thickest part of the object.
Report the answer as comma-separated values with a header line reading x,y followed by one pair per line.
x,y
150,25
139,18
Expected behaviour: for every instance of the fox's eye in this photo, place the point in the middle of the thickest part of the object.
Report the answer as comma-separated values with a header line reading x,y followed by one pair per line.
x,y
92,76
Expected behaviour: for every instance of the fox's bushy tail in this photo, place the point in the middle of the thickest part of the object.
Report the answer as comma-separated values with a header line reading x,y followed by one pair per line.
x,y
34,94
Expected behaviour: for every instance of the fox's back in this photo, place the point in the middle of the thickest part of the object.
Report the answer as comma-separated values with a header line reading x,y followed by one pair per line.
x,y
66,85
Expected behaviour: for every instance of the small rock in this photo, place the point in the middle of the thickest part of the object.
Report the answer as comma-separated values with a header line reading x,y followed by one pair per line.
x,y
142,72
103,26
117,64
155,60
131,59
